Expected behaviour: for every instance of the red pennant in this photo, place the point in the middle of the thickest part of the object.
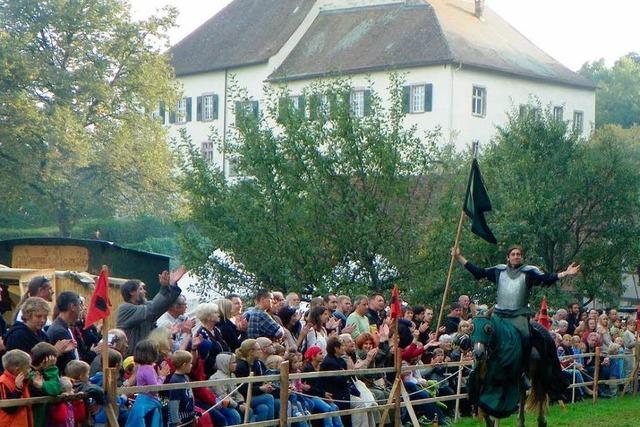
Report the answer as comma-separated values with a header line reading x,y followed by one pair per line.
x,y
100,306
395,303
543,315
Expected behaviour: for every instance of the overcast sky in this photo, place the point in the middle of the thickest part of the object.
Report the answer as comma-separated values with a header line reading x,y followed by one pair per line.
x,y
572,31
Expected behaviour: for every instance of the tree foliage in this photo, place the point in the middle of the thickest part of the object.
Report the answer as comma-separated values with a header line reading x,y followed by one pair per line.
x,y
564,199
77,82
320,188
618,92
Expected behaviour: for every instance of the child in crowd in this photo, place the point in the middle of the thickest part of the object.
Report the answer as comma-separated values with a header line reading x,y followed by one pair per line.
x,y
46,378
78,373
295,408
13,385
114,361
226,365
147,409
181,404
61,414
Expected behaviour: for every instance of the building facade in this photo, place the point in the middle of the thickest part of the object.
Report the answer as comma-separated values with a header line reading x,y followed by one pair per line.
x,y
465,68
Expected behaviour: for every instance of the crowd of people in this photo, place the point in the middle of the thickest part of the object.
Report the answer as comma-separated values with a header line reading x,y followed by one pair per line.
x,y
158,342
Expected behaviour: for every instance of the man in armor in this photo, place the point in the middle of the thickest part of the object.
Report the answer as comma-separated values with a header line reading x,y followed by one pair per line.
x,y
514,281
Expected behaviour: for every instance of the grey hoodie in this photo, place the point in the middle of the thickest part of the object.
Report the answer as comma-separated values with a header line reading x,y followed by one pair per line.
x,y
223,360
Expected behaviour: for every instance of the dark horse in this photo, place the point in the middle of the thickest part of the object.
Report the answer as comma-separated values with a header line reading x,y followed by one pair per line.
x,y
497,384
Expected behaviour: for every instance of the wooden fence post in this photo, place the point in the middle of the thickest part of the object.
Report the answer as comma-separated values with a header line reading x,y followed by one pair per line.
x,y
248,402
284,392
458,389
596,374
110,384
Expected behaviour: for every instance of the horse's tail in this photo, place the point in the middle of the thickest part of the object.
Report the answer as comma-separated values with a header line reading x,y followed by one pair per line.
x,y
538,399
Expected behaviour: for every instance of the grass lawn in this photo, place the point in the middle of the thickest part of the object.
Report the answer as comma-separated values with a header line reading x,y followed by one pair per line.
x,y
616,412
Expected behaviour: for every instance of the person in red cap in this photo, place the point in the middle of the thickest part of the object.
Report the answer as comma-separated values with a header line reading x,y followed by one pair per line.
x,y
313,387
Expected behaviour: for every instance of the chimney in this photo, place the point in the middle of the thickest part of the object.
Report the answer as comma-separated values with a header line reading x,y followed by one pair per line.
x,y
479,8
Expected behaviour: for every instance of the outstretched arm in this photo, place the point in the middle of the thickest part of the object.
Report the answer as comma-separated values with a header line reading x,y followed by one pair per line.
x,y
478,272
571,271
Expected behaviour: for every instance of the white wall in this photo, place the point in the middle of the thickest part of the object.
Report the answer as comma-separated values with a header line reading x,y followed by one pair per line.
x,y
452,96
505,93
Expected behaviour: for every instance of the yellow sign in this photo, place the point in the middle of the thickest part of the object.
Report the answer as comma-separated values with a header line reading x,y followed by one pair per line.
x,y
74,258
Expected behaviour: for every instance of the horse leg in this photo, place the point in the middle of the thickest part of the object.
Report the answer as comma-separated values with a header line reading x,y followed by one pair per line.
x,y
542,420
523,398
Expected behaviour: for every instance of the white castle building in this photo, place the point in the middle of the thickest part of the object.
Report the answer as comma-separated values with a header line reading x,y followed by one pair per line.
x,y
465,66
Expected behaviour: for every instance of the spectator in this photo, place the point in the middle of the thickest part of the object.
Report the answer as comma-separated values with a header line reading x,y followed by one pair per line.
x,y
261,324
181,404
236,315
573,317
116,340
226,365
343,309
46,381
175,315
278,302
209,316
86,339
314,333
453,318
14,385
39,286
228,330
321,400
331,302
147,406
339,387
24,335
262,402
293,300
292,327
465,307
69,307
358,318
78,372
375,311
137,316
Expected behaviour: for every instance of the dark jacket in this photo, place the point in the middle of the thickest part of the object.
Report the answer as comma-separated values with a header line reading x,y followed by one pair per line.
x,y
374,317
338,386
229,333
59,330
20,337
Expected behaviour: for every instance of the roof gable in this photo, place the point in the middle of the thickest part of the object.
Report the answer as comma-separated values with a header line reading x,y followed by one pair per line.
x,y
243,33
404,35
366,38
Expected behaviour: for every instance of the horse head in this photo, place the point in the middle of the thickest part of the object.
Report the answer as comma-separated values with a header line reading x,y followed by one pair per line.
x,y
483,336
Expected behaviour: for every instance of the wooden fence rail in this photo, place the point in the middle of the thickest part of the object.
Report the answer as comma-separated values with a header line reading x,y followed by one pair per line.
x,y
284,377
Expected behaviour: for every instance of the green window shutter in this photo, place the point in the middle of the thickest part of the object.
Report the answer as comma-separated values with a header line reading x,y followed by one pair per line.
x,y
255,109
428,97
172,116
199,109
367,102
189,109
406,96
161,112
301,106
283,107
238,112
314,107
215,107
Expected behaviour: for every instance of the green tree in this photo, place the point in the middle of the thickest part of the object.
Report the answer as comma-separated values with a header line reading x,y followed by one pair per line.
x,y
77,82
618,92
320,188
564,199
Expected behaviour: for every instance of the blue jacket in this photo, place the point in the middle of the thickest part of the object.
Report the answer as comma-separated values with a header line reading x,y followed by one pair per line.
x,y
141,407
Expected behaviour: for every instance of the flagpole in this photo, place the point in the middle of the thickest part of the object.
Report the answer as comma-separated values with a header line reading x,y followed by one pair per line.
x,y
445,296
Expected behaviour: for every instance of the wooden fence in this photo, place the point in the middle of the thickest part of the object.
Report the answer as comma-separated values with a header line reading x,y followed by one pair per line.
x,y
398,400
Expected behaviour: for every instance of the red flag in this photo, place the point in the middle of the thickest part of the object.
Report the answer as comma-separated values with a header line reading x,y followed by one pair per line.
x,y
395,303
100,306
543,315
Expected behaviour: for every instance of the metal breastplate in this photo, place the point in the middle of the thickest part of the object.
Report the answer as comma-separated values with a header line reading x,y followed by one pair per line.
x,y
512,290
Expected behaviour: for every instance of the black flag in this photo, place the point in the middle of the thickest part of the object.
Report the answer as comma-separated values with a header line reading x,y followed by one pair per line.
x,y
476,203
